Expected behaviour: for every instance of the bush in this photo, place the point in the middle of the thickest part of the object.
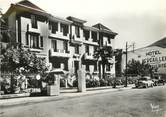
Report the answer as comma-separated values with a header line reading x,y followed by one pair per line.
x,y
75,83
103,82
89,83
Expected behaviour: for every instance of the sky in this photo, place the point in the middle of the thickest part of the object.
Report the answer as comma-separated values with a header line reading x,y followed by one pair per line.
x,y
136,21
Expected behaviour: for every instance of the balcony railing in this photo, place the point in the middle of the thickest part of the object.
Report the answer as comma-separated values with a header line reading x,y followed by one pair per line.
x,y
31,29
89,56
75,39
59,53
58,34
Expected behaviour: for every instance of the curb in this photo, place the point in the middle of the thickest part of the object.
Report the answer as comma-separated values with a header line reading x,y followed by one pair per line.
x,y
63,96
14,96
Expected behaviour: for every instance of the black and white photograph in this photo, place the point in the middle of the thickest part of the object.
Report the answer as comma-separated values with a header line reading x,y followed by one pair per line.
x,y
82,58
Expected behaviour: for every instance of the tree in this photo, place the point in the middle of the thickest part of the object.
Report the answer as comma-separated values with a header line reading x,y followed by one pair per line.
x,y
118,59
104,55
15,57
135,67
1,20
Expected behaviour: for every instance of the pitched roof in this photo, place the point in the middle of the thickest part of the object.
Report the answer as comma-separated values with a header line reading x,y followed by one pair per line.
x,y
76,19
53,18
103,28
160,43
29,4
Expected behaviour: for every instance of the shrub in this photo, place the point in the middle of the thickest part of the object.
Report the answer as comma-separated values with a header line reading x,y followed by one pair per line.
x,y
75,83
103,82
89,83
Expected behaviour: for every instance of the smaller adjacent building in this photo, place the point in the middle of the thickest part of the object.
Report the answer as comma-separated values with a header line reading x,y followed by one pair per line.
x,y
154,54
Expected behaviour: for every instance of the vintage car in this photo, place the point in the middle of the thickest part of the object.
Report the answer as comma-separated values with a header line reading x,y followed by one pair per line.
x,y
144,82
161,82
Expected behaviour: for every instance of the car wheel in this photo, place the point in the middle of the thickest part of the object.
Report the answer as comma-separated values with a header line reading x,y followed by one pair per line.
x,y
151,85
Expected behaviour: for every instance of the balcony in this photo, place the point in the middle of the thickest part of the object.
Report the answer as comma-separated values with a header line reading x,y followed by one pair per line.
x,y
75,40
59,34
89,56
31,29
59,53
108,45
90,41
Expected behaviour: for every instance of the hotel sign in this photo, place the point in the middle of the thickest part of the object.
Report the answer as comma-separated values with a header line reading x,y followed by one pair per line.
x,y
155,58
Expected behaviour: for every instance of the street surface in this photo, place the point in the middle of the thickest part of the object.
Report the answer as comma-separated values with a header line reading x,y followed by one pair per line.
x,y
149,102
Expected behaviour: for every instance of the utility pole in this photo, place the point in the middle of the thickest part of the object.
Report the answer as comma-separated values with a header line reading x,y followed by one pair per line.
x,y
133,47
128,46
126,65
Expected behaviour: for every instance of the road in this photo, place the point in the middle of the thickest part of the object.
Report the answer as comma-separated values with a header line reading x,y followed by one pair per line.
x,y
127,103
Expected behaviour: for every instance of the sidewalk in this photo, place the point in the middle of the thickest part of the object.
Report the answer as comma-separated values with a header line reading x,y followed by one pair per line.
x,y
63,95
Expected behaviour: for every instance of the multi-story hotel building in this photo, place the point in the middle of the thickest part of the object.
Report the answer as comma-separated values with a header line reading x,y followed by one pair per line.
x,y
62,42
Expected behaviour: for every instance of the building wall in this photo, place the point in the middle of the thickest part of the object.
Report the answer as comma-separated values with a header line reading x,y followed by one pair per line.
x,y
42,30
12,24
22,24
155,56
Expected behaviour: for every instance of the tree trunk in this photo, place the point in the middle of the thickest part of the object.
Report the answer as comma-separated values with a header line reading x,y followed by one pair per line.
x,y
103,70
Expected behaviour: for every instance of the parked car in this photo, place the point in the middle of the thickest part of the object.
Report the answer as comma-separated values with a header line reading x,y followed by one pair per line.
x,y
144,82
155,82
161,82
158,82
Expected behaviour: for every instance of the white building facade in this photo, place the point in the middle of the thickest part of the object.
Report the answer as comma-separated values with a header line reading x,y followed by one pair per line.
x,y
62,42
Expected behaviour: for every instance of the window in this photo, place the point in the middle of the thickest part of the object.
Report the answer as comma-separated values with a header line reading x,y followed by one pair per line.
x,y
95,66
53,27
94,36
34,40
27,39
65,45
76,49
87,68
109,40
33,21
64,28
54,45
77,31
95,48
86,34
41,41
108,67
87,49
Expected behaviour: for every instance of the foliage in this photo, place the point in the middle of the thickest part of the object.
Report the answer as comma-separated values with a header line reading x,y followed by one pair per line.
x,y
118,59
140,68
104,54
92,83
16,57
1,20
103,82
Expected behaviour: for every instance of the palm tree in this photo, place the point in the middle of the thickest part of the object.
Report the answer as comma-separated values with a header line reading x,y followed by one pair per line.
x,y
104,55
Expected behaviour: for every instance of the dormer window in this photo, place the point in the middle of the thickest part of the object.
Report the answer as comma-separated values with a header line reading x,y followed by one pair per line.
x,y
34,21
